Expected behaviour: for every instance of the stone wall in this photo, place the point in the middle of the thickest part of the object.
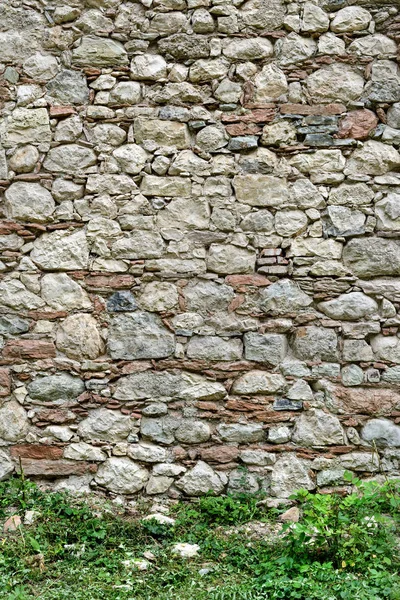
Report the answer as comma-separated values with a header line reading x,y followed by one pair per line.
x,y
200,257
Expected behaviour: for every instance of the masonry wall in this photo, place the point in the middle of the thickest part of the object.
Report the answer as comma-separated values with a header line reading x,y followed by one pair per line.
x,y
200,258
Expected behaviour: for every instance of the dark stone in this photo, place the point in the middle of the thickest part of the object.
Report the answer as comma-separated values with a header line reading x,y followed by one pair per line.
x,y
183,47
12,325
248,142
174,113
285,404
69,87
121,302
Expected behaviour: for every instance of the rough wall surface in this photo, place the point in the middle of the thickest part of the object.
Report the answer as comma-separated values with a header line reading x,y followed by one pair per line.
x,y
200,252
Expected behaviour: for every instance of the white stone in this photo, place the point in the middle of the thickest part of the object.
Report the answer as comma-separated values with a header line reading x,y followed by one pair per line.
x,y
41,67
131,158
337,82
351,18
61,292
270,84
259,382
185,550
13,422
79,338
122,476
83,451
151,67
29,202
373,158
201,480
61,250
107,425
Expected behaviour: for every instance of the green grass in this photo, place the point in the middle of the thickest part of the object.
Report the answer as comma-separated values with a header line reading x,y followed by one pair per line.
x,y
75,550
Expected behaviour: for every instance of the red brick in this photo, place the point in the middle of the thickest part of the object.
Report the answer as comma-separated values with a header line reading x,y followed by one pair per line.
x,y
243,129
61,111
55,415
365,401
26,349
239,280
5,382
114,282
257,115
315,109
219,454
357,124
37,451
55,468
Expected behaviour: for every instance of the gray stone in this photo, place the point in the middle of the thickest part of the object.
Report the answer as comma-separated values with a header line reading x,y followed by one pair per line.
x,y
283,297
371,257
99,52
263,14
260,190
61,292
318,428
122,476
149,384
373,45
165,186
159,430
183,46
54,388
68,87
13,422
6,465
259,382
26,126
70,158
381,431
386,347
350,307
125,92
241,433
131,158
148,453
138,245
139,335
270,83
352,375
13,293
13,325
207,296
270,348
241,482
254,48
158,485
40,66
315,343
373,158
83,451
121,302
227,259
78,337
337,82
24,159
201,480
294,48
185,213
260,458
357,351
29,202
351,18
289,475
279,435
214,348
107,425
191,431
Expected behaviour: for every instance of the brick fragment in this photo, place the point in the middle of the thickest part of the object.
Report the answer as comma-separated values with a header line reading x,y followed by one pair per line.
x,y
28,349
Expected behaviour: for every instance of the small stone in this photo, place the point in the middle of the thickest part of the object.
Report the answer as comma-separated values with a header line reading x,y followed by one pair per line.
x,y
106,425
123,301
68,87
352,375
24,159
279,435
270,84
315,343
292,515
259,382
186,550
13,523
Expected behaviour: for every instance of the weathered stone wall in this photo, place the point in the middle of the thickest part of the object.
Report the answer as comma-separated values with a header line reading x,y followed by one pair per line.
x,y
200,257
